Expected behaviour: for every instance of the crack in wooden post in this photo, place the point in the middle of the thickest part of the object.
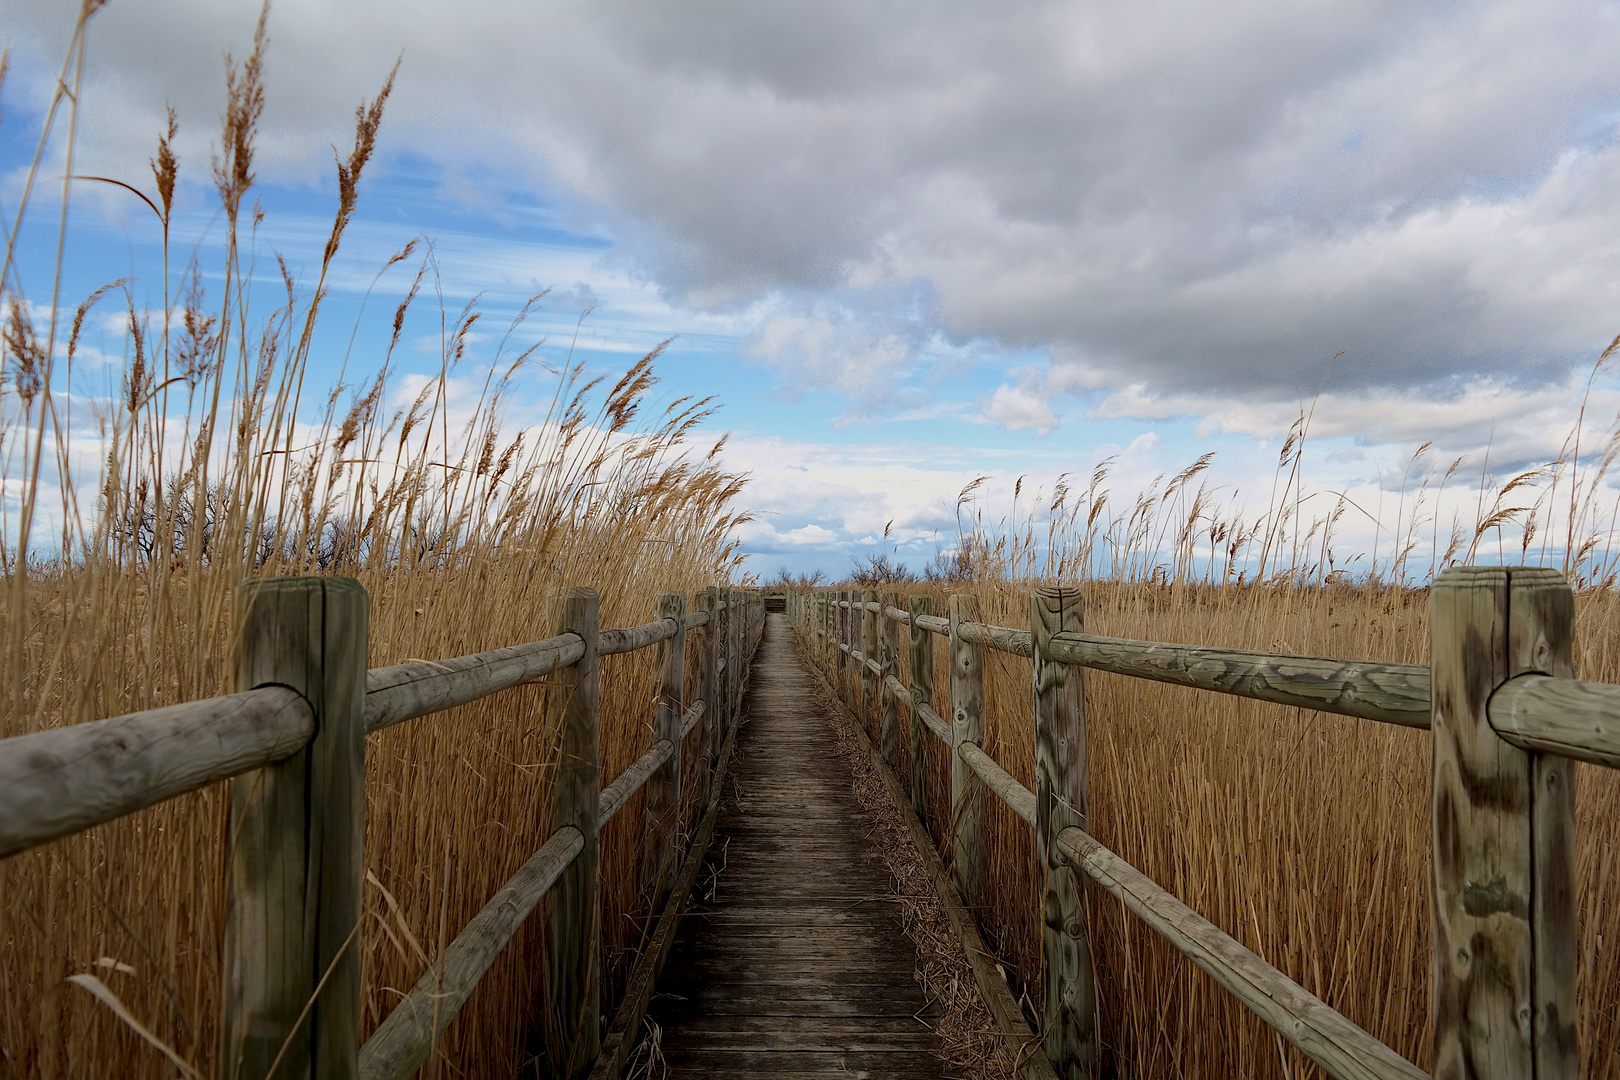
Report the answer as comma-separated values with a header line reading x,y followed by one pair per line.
x,y
1062,800
1505,951
296,862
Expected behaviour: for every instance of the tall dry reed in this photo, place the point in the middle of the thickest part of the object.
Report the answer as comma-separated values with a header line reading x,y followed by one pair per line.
x,y
217,461
1304,835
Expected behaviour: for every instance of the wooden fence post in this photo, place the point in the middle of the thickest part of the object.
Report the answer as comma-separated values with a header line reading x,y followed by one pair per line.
x,y
1505,933
967,726
664,786
573,997
869,651
722,690
922,693
295,859
707,685
844,659
890,635
1062,799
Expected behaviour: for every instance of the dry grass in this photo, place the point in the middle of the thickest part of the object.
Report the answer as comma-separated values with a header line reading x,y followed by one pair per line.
x,y
1304,835
972,1046
211,465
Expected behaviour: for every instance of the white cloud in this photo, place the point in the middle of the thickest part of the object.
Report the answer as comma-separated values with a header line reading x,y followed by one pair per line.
x,y
1176,194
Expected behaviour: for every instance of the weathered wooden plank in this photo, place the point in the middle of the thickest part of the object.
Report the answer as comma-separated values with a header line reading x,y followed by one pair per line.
x,y
1391,693
792,909
1062,801
967,726
788,1065
1553,715
402,1041
571,1007
418,687
921,696
58,782
992,985
1325,1036
1504,909
295,862
619,1041
658,850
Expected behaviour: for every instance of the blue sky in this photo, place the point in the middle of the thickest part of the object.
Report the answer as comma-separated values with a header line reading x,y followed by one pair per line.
x,y
906,247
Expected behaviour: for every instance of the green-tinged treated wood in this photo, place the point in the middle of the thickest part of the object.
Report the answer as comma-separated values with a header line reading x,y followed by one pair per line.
x,y
1327,1038
60,781
402,1041
999,638
1504,899
889,653
659,857
295,860
1062,801
922,693
571,1023
967,726
1391,693
1575,719
1018,798
705,684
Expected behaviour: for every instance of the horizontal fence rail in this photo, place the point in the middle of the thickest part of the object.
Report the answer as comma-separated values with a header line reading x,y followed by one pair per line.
x,y
300,633
1505,717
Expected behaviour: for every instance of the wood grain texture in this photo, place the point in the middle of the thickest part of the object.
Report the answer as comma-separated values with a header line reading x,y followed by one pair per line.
x,y
571,1000
1062,801
1503,835
1564,716
401,1042
1018,798
889,657
627,783
58,782
921,694
791,907
402,691
967,726
664,786
1325,1036
1391,693
999,638
634,638
296,858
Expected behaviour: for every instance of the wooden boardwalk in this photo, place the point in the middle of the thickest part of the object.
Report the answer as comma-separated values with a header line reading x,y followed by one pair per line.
x,y
792,961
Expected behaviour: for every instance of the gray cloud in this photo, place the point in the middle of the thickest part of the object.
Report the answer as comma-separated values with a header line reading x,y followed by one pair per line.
x,y
1183,196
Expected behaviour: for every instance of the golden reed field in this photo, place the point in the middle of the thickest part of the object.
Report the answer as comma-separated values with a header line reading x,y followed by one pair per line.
x,y
1305,836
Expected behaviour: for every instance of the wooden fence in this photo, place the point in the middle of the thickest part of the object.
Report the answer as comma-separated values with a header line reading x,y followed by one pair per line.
x,y
1507,720
292,742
